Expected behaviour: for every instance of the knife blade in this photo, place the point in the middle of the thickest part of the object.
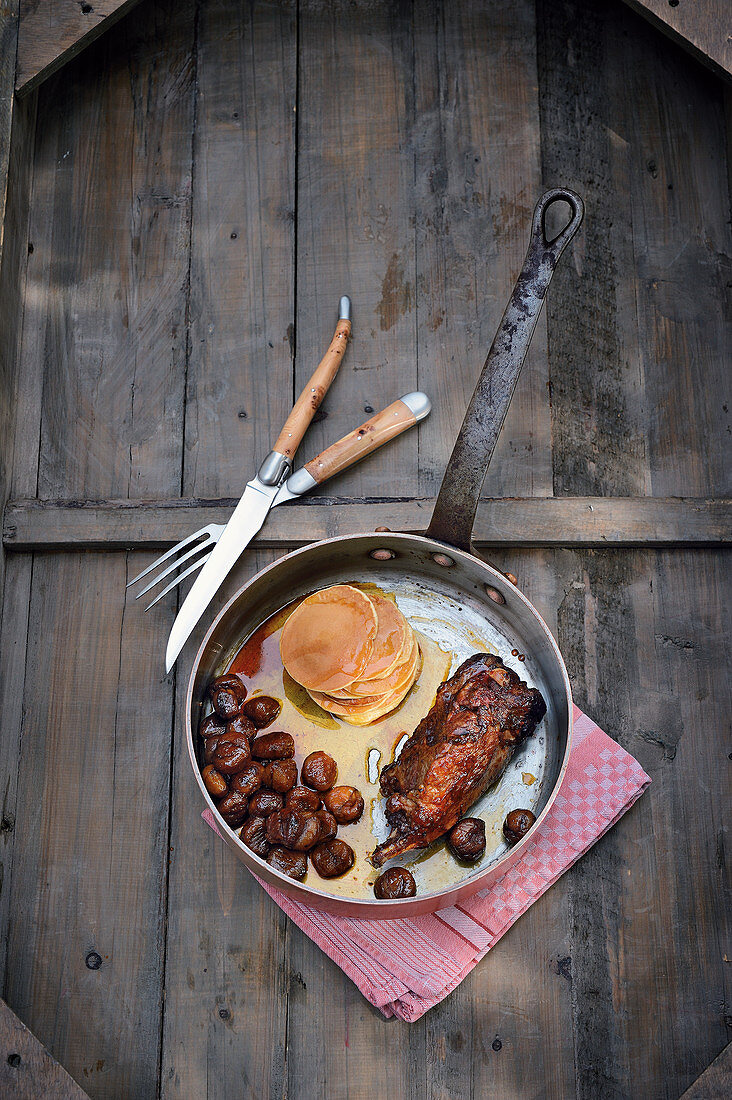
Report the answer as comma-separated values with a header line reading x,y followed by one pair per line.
x,y
247,518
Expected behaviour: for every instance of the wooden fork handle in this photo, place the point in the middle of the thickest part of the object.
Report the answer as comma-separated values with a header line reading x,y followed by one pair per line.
x,y
382,427
309,400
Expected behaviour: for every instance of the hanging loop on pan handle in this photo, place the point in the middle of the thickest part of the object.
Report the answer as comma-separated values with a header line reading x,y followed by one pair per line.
x,y
457,502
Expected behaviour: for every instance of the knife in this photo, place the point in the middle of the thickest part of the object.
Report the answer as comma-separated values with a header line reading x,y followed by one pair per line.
x,y
251,511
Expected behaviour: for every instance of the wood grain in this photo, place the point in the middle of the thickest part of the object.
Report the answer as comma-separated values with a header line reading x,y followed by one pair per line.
x,y
713,1084
8,50
225,1019
372,434
588,521
477,180
27,1070
52,32
102,377
703,27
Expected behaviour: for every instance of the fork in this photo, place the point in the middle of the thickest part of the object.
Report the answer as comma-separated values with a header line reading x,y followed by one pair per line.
x,y
373,433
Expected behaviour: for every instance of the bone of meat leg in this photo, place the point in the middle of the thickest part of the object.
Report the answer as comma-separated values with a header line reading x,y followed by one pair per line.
x,y
459,749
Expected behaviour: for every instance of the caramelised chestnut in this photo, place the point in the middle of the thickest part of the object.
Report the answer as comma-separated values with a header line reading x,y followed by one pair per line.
x,y
300,798
209,748
395,882
319,771
212,726
233,808
294,864
262,710
517,825
280,775
231,754
345,803
466,840
328,825
273,746
214,782
241,727
249,779
332,858
227,695
294,829
264,803
254,835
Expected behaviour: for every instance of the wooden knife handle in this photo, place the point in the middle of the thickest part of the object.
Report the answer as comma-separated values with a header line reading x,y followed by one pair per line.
x,y
382,427
309,400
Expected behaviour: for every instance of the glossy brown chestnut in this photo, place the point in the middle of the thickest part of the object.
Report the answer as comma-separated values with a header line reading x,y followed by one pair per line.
x,y
319,771
517,825
328,825
294,864
209,748
212,726
241,727
233,808
273,746
280,775
231,754
249,779
300,798
264,803
254,835
297,830
262,710
227,694
345,803
396,882
332,858
214,782
466,840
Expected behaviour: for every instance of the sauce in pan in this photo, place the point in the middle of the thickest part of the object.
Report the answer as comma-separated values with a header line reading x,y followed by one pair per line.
x,y
446,637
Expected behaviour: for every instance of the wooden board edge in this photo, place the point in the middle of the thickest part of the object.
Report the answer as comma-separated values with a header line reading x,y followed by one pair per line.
x,y
614,522
715,1083
27,1069
74,28
669,25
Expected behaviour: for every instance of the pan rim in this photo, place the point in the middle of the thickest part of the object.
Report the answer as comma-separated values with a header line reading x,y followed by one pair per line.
x,y
394,908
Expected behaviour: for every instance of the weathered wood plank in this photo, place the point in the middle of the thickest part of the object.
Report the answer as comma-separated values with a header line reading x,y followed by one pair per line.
x,y
27,1070
91,822
638,354
354,215
226,985
102,372
714,1082
477,177
8,51
645,640
702,26
534,521
52,32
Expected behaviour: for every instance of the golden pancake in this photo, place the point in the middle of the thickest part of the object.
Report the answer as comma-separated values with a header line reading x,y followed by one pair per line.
x,y
327,640
367,689
365,711
390,639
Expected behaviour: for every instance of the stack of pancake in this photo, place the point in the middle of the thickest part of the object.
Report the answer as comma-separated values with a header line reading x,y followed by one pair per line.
x,y
355,654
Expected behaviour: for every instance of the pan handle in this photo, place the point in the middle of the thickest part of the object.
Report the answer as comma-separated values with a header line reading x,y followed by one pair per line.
x,y
457,502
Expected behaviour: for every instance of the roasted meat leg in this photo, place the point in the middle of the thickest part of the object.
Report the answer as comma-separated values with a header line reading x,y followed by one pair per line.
x,y
458,750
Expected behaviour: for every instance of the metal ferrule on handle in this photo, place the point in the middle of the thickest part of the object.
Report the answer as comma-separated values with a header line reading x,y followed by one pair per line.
x,y
457,502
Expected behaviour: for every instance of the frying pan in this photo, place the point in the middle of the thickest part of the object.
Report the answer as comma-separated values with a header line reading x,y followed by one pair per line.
x,y
451,595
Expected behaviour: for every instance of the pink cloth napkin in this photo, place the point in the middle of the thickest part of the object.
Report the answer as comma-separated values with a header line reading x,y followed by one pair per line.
x,y
406,966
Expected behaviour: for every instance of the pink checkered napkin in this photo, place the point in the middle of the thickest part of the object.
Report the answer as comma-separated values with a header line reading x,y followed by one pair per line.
x,y
406,966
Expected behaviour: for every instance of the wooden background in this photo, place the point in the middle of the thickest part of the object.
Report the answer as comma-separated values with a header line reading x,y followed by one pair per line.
x,y
187,201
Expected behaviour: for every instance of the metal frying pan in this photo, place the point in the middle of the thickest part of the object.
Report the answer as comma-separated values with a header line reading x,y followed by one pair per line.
x,y
455,599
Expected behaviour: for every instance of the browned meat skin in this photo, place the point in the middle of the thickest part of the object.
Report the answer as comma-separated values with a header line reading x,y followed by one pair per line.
x,y
458,750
